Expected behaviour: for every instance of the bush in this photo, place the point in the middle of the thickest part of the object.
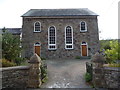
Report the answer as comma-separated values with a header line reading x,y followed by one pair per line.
x,y
19,60
88,77
42,58
77,57
6,63
44,76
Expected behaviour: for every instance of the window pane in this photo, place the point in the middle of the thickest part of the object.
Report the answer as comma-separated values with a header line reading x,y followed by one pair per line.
x,y
37,26
68,35
69,46
51,36
83,26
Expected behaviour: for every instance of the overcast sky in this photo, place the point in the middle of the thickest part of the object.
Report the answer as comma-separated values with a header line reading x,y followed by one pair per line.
x,y
11,11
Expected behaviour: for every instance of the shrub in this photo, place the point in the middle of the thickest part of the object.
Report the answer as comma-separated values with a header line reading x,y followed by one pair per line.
x,y
77,57
6,63
88,77
44,76
42,58
19,60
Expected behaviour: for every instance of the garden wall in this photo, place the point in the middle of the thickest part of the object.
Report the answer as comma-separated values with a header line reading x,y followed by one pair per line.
x,y
112,77
15,77
106,77
23,76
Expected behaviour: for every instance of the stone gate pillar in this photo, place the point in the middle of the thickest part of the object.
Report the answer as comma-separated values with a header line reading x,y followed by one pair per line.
x,y
98,72
34,80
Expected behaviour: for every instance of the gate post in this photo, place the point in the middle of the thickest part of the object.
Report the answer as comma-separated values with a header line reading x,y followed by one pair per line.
x,y
98,71
34,79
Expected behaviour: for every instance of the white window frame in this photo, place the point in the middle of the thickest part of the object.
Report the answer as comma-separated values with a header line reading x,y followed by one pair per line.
x,y
49,39
85,27
86,45
65,38
40,26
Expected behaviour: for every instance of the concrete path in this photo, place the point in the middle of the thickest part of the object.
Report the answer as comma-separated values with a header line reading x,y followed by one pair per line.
x,y
66,74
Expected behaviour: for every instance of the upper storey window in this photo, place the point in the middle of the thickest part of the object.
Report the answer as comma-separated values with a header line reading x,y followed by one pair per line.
x,y
83,26
37,26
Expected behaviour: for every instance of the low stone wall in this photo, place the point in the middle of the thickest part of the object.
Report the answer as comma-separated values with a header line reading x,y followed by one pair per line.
x,y
23,76
112,77
106,77
16,77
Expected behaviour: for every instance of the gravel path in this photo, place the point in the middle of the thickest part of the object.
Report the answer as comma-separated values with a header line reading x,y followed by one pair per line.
x,y
66,74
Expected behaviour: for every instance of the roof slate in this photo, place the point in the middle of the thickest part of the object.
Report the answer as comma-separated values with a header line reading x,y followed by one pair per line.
x,y
15,31
59,12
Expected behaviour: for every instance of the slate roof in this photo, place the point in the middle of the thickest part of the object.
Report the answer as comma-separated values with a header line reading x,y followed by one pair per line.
x,y
59,12
14,31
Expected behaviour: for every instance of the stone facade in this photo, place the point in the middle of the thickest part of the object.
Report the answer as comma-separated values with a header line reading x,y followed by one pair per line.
x,y
30,37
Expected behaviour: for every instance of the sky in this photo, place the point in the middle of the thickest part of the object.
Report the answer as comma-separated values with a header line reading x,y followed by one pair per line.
x,y
12,10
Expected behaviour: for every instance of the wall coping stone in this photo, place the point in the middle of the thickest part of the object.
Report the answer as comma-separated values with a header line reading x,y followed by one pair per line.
x,y
112,68
15,68
35,59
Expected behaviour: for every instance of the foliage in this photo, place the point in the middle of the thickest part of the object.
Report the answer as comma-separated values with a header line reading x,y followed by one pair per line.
x,y
77,57
114,65
42,58
19,60
10,46
6,63
88,77
112,54
44,76
105,44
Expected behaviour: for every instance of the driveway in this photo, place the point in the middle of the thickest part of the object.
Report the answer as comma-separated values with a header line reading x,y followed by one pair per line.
x,y
66,74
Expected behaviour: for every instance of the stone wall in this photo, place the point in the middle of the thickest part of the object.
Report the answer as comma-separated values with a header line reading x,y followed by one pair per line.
x,y
106,77
112,77
15,77
30,37
23,76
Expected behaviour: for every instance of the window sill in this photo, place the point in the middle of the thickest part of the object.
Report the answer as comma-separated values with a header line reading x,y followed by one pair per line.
x,y
69,48
52,49
37,31
83,31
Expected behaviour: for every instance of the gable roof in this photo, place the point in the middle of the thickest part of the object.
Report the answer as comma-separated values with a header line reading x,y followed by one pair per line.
x,y
59,12
14,31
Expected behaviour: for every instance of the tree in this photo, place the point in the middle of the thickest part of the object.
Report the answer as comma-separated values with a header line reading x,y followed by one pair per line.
x,y
113,53
10,46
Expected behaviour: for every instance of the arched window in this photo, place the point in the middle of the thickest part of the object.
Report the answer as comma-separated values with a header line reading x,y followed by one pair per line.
x,y
83,26
37,26
51,38
68,37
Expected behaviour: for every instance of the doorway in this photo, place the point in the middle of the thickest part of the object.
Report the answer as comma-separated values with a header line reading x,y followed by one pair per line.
x,y
37,48
84,49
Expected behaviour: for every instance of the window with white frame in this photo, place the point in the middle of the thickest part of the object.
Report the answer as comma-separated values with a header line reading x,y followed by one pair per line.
x,y
83,26
68,37
52,38
37,26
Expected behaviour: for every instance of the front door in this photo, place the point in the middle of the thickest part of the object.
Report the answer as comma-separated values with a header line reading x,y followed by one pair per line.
x,y
37,48
84,50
